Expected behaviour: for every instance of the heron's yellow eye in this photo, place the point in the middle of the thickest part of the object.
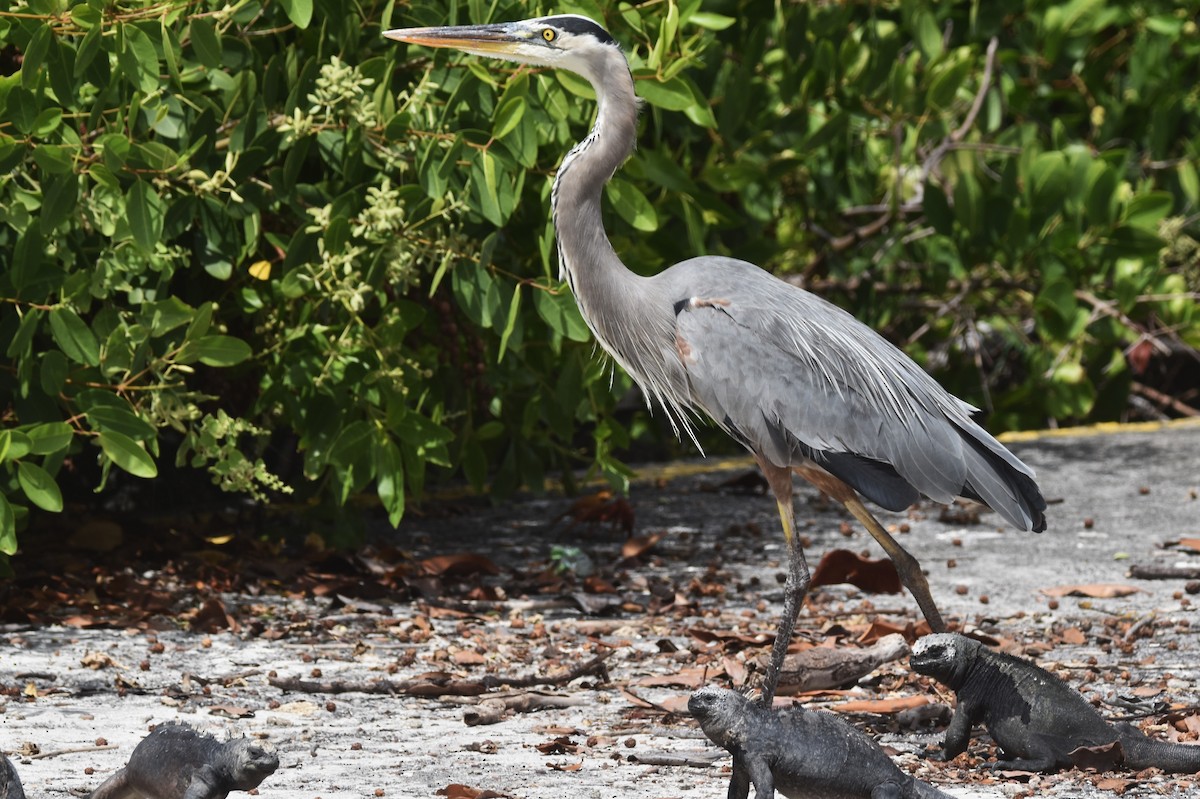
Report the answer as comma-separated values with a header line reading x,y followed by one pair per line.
x,y
548,34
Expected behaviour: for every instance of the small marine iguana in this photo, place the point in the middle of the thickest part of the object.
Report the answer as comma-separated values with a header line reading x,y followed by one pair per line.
x,y
10,783
1037,720
800,753
177,762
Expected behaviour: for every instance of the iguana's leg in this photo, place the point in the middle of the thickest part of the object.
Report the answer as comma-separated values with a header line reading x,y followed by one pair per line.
x,y
739,782
958,734
907,566
798,578
887,790
205,784
761,777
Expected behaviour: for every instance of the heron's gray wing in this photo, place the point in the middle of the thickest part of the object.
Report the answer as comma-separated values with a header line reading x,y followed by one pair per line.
x,y
793,376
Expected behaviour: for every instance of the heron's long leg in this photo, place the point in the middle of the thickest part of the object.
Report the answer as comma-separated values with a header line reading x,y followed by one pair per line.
x,y
798,578
907,566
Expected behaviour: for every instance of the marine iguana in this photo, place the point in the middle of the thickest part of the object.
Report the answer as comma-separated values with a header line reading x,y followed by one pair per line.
x,y
1037,720
10,783
177,762
800,753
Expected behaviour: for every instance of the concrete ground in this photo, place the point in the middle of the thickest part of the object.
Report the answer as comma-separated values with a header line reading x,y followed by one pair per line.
x,y
83,698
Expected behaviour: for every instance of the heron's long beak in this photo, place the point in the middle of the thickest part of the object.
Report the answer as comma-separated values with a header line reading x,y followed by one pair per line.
x,y
488,40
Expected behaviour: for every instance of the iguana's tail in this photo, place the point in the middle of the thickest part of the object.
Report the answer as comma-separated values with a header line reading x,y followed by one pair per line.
x,y
1143,752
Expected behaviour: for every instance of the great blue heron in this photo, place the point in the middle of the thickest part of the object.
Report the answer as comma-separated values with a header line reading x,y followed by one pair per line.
x,y
799,382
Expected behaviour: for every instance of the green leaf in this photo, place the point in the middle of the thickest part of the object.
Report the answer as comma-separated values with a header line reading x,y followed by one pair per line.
x,y
944,88
53,372
206,42
145,211
49,438
39,487
138,58
508,116
389,478
34,57
1147,210
127,454
119,418
1189,182
23,108
559,311
673,94
61,197
632,205
711,21
299,12
214,350
14,445
510,323
8,527
74,337
929,37
489,193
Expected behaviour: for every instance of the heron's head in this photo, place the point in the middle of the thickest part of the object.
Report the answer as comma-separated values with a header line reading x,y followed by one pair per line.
x,y
565,41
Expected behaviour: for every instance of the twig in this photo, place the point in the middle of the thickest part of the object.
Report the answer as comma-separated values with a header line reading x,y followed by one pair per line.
x,y
1140,625
71,751
1165,400
1154,572
988,65
689,759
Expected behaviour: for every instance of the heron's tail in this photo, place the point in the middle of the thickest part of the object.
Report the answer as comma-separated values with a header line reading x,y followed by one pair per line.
x,y
998,479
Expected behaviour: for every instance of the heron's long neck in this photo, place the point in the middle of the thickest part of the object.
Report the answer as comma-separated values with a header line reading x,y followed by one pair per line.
x,y
631,316
588,263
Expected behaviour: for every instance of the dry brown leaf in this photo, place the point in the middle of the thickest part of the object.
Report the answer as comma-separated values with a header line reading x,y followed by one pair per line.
x,y
1093,590
600,508
734,669
1098,758
639,545
468,657
727,637
693,677
231,711
565,766
843,566
559,746
882,706
1073,636
462,564
1117,785
97,661
880,628
1190,543
212,617
457,790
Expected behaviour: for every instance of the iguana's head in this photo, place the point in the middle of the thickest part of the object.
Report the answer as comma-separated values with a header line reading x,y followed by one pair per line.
x,y
944,656
722,713
254,761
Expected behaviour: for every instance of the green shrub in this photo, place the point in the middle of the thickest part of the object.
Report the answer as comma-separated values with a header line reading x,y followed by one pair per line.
x,y
226,224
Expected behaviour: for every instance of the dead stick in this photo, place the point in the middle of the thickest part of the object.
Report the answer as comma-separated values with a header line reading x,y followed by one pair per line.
x,y
1152,572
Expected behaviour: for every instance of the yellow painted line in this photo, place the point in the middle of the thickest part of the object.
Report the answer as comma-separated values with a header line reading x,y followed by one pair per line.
x,y
1102,428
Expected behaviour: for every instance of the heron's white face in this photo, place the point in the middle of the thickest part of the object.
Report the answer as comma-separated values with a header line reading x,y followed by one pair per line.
x,y
565,41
